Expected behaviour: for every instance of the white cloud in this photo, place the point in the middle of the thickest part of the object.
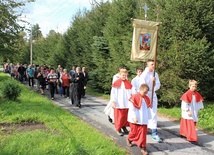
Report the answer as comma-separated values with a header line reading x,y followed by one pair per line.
x,y
54,14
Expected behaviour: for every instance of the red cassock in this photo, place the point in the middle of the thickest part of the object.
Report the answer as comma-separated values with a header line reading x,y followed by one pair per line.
x,y
137,134
120,118
188,130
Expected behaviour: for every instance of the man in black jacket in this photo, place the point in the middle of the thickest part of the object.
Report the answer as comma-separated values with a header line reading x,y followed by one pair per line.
x,y
85,73
21,71
78,83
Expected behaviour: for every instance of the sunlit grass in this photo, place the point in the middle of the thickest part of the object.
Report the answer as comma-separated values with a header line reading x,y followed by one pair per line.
x,y
65,133
92,92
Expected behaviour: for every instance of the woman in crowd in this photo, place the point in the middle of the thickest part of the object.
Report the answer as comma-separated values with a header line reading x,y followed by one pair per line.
x,y
52,80
65,82
41,76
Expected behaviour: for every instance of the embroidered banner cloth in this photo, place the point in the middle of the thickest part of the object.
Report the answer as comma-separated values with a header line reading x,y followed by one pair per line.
x,y
144,40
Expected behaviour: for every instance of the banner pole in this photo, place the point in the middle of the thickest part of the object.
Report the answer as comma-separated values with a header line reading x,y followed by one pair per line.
x,y
155,59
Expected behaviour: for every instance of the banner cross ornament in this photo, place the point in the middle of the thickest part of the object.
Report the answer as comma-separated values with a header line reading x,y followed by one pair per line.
x,y
145,8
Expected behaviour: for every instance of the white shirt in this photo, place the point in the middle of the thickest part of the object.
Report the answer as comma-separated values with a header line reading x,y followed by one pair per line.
x,y
135,84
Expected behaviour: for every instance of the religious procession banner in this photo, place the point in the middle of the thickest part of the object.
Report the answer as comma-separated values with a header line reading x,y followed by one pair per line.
x,y
144,41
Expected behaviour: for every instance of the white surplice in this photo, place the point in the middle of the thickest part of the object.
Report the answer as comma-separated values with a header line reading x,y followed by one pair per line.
x,y
142,115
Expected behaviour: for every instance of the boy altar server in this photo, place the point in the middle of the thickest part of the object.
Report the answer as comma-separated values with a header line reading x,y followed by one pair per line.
x,y
119,97
190,105
138,117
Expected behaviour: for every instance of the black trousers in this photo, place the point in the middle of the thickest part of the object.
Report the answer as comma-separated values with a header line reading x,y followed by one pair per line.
x,y
66,91
21,77
76,96
52,86
31,81
83,92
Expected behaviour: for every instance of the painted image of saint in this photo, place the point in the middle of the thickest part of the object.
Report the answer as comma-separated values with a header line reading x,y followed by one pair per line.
x,y
145,41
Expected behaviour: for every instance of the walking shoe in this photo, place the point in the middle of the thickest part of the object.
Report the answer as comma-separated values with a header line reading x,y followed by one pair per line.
x,y
193,142
110,120
157,138
125,130
120,133
144,151
128,142
182,136
52,98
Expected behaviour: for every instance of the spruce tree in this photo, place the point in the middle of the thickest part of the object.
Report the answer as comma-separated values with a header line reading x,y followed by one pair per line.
x,y
185,50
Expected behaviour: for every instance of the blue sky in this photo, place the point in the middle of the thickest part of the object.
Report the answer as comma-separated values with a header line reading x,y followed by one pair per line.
x,y
54,14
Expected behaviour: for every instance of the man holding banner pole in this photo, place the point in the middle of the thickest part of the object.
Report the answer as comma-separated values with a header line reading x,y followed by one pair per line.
x,y
151,78
144,47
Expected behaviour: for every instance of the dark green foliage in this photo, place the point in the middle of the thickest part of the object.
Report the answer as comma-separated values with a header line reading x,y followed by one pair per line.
x,y
9,27
185,48
100,59
101,40
118,32
36,32
11,89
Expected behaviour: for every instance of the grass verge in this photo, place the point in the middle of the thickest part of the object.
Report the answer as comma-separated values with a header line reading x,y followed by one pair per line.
x,y
61,134
92,92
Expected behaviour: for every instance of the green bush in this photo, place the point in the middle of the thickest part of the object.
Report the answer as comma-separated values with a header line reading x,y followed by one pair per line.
x,y
11,89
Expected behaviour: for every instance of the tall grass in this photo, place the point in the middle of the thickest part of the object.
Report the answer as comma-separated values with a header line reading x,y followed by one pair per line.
x,y
64,134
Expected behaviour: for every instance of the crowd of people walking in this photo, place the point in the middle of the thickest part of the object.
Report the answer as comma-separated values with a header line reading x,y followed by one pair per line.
x,y
69,84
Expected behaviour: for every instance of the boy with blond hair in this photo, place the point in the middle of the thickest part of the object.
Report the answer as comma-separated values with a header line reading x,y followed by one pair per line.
x,y
190,105
120,94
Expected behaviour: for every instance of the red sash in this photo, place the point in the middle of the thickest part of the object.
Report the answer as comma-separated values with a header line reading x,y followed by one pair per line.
x,y
137,100
117,84
187,97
